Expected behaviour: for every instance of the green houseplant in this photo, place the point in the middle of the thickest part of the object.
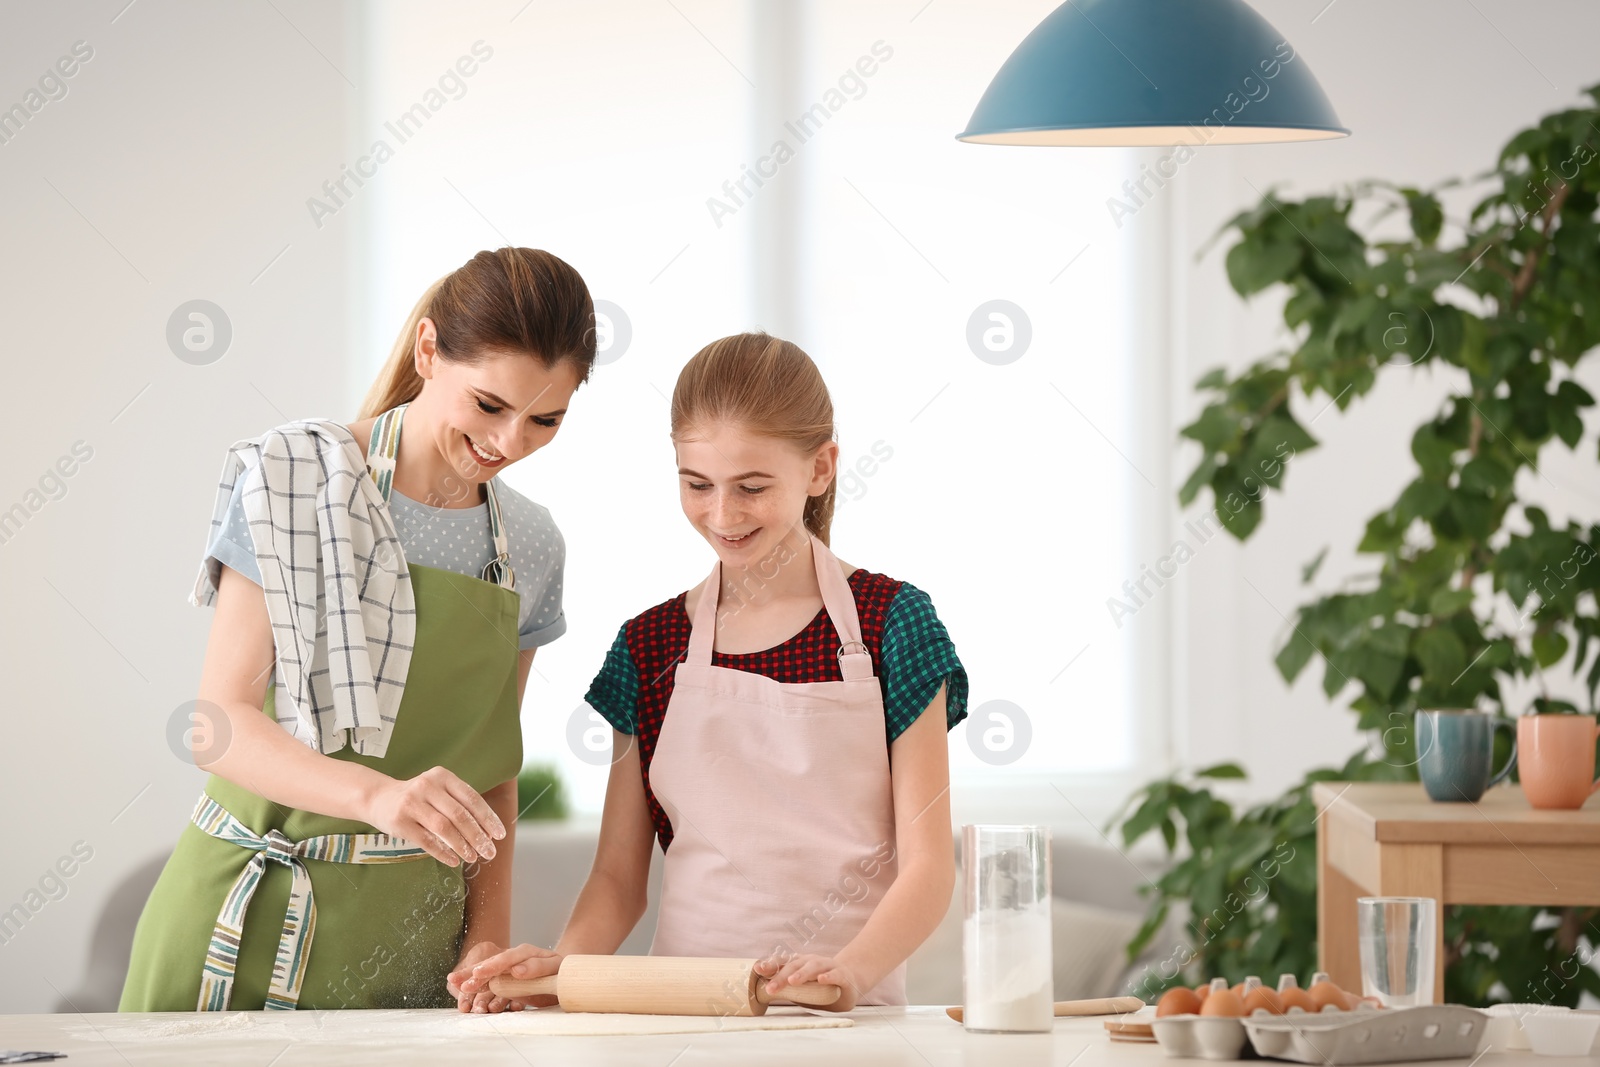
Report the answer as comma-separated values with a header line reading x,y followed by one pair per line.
x,y
540,793
1513,307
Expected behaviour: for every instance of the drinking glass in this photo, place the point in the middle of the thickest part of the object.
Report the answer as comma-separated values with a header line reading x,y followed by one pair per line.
x,y
1398,949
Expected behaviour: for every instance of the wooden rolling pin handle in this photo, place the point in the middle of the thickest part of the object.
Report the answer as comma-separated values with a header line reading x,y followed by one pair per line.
x,y
811,994
505,986
1102,1006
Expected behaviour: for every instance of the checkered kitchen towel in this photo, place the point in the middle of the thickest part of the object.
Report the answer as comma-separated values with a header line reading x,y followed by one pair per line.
x,y
337,587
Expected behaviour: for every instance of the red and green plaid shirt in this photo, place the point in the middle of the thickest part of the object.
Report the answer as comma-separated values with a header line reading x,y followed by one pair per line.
x,y
912,656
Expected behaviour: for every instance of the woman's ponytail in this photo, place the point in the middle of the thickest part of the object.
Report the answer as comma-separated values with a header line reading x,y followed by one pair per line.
x,y
502,300
399,383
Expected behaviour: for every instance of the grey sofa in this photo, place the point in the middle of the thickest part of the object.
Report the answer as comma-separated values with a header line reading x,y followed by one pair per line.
x,y
1096,911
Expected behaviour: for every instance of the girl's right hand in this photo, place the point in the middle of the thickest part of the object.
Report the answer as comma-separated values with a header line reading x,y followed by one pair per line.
x,y
438,812
523,961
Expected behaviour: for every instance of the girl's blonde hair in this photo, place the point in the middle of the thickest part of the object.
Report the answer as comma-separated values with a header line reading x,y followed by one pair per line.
x,y
509,299
765,385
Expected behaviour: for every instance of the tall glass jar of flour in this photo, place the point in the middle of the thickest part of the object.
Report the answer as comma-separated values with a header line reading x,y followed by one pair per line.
x,y
1007,974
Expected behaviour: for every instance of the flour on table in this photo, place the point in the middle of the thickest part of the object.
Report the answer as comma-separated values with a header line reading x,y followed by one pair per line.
x,y
411,1026
418,1024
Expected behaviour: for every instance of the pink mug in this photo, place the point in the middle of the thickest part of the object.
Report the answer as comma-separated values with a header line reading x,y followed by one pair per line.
x,y
1556,757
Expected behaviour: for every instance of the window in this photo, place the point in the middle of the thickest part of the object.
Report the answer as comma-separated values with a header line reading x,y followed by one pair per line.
x,y
712,167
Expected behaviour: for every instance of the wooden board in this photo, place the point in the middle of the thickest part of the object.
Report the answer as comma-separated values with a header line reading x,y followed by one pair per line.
x,y
1121,1030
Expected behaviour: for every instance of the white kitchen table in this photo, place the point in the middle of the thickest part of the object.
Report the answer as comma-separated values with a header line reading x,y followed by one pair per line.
x,y
914,1036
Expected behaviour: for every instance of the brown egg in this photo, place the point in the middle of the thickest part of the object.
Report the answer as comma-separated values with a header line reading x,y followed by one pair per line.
x,y
1262,999
1295,997
1202,991
1223,1002
1324,993
1179,1000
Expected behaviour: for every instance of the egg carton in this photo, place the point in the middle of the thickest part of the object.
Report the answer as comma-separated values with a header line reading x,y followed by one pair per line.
x,y
1431,1032
1363,1035
1223,1037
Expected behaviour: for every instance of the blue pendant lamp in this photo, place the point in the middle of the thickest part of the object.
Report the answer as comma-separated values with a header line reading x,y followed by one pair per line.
x,y
1153,72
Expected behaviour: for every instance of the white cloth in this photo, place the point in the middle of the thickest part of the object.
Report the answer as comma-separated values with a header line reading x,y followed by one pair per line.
x,y
337,587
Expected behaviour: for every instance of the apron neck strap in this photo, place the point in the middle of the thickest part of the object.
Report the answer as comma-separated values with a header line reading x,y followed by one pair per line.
x,y
854,659
382,449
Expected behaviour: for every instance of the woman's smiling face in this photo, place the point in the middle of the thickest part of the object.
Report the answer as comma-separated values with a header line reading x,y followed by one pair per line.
x,y
491,414
746,492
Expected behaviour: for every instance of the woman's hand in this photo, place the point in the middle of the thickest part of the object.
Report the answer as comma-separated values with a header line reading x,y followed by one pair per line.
x,y
810,967
472,975
439,812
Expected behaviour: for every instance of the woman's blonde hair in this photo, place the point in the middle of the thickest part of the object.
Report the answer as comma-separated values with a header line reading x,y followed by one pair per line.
x,y
764,385
508,299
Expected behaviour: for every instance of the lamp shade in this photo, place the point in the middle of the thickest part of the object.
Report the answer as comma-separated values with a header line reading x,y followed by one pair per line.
x,y
1153,72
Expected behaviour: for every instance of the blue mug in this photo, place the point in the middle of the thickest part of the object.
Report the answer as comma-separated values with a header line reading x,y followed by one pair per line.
x,y
1455,753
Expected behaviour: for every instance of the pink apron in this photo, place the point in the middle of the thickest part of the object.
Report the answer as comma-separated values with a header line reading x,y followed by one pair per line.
x,y
782,814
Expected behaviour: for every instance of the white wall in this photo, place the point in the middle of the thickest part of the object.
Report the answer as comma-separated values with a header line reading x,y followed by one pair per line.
x,y
1431,90
177,166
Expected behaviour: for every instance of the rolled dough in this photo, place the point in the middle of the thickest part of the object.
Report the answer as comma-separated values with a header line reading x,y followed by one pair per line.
x,y
553,1022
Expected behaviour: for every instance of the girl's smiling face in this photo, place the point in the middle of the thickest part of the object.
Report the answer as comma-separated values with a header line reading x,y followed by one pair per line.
x,y
746,492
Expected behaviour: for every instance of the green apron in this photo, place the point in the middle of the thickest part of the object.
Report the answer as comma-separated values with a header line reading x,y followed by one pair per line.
x,y
385,934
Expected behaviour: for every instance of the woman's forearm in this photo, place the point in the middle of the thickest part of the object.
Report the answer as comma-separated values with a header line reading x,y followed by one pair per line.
x,y
488,915
247,747
261,756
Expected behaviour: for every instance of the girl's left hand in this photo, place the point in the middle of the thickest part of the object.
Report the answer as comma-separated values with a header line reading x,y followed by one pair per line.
x,y
481,1001
810,967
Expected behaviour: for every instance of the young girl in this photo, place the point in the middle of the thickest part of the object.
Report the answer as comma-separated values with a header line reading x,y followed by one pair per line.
x,y
394,590
779,728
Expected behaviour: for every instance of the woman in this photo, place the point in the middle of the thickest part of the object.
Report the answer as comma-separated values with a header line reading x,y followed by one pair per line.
x,y
395,589
780,728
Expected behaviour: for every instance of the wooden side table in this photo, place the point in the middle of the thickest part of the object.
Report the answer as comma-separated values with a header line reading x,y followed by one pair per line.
x,y
1389,839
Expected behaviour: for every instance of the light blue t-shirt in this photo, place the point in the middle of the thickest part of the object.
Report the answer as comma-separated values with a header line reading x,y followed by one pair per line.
x,y
451,539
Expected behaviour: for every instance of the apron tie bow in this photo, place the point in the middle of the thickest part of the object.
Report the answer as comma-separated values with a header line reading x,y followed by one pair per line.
x,y
299,918
279,848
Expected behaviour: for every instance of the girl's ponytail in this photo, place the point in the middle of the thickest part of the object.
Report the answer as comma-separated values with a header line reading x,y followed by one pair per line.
x,y
819,512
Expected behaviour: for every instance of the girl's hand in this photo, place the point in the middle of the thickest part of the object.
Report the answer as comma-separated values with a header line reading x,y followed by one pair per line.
x,y
476,999
810,967
524,961
439,812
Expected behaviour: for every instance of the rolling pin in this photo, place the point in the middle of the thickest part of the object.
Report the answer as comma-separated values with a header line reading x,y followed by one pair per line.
x,y
1103,1006
661,985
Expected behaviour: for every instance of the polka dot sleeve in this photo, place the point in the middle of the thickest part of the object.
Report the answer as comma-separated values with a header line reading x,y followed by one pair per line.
x,y
231,543
545,620
919,657
614,693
